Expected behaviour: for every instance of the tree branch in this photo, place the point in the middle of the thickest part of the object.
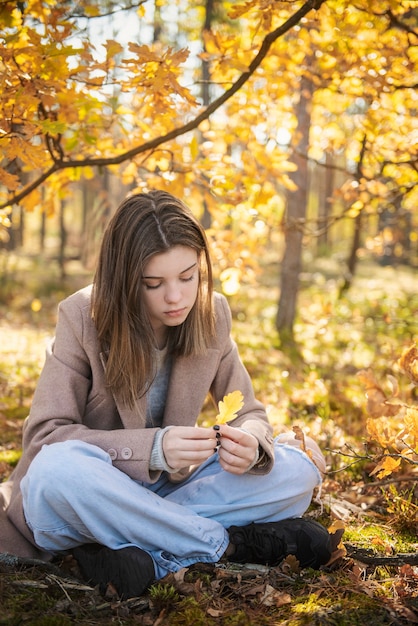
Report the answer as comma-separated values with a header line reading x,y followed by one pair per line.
x,y
395,22
371,558
109,13
267,42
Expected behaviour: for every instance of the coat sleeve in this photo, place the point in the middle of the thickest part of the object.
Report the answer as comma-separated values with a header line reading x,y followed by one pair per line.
x,y
232,375
72,401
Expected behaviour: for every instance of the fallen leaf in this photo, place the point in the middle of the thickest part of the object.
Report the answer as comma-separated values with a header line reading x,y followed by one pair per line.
x,y
290,565
272,597
214,612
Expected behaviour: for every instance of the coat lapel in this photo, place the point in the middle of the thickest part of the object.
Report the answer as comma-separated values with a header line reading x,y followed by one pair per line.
x,y
130,418
191,379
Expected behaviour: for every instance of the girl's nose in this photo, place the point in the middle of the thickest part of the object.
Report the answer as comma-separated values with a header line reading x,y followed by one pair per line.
x,y
172,293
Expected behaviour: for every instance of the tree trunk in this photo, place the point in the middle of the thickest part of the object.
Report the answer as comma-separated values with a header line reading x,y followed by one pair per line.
x,y
63,239
206,218
358,222
42,230
158,23
325,203
352,259
294,220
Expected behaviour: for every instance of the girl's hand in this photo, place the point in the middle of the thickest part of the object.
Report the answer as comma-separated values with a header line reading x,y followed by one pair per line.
x,y
237,449
188,445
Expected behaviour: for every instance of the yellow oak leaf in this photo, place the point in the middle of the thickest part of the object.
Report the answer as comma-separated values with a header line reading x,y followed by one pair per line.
x,y
386,466
229,407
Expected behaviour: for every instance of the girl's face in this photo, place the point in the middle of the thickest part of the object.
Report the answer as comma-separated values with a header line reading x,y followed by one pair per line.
x,y
170,284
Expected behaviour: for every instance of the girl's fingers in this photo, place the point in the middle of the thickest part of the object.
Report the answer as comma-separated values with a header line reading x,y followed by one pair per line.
x,y
188,446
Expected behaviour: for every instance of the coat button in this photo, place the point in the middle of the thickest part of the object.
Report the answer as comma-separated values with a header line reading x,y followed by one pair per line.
x,y
126,453
112,453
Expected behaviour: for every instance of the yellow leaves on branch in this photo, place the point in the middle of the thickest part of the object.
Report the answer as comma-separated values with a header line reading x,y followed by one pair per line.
x,y
392,424
10,181
30,154
229,407
227,54
63,89
32,201
113,48
386,466
158,71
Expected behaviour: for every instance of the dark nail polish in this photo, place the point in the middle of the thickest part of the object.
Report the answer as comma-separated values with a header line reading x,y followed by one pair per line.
x,y
216,427
218,435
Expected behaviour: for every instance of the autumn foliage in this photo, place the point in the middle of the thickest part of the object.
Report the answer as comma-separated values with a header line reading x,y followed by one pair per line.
x,y
216,116
393,424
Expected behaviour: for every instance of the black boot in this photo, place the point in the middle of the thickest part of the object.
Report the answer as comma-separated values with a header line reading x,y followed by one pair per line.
x,y
271,542
130,570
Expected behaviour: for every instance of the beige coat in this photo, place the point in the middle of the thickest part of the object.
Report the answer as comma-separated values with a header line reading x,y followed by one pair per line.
x,y
72,402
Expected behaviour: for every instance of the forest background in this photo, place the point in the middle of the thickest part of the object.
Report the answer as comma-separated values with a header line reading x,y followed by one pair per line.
x,y
291,130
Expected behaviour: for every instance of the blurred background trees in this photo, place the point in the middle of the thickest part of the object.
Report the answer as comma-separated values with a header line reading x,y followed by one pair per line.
x,y
289,127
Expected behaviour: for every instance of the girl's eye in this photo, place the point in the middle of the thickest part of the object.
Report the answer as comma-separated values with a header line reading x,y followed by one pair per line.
x,y
188,279
185,279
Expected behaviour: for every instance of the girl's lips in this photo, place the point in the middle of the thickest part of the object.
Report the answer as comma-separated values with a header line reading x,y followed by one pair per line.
x,y
176,313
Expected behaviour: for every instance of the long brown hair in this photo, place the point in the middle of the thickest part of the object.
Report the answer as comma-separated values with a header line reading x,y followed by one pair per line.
x,y
146,224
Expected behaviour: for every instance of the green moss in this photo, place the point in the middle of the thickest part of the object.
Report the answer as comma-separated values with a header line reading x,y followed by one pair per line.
x,y
380,538
239,618
19,606
190,613
163,597
351,609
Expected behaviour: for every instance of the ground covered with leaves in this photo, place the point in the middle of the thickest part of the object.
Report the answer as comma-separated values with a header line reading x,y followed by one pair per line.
x,y
316,387
344,594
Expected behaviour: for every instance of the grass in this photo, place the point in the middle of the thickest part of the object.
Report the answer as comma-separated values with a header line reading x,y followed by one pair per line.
x,y
318,389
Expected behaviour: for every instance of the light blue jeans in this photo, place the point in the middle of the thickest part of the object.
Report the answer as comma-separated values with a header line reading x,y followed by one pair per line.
x,y
72,494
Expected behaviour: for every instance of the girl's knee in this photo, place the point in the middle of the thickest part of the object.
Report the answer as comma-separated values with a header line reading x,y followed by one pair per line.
x,y
312,449
55,466
295,470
